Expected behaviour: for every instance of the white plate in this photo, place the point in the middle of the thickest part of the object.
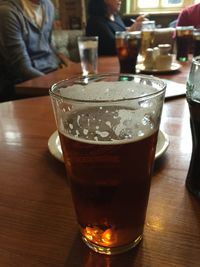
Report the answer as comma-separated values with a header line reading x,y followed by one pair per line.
x,y
174,67
174,89
55,147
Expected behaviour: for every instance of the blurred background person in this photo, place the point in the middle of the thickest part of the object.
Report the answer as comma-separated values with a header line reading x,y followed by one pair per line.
x,y
189,16
104,20
25,43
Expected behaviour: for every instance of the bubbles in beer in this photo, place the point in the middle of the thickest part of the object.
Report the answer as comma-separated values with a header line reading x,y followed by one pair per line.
x,y
148,120
126,134
108,123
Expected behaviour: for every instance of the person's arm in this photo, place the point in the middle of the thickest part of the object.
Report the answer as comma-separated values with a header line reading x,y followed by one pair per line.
x,y
64,60
136,26
183,19
13,48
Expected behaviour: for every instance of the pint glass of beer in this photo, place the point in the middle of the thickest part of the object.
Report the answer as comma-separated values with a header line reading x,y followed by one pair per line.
x,y
184,41
148,34
193,99
196,39
128,47
108,126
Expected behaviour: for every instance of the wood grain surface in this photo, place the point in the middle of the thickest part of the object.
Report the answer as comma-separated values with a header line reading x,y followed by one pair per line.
x,y
37,222
40,86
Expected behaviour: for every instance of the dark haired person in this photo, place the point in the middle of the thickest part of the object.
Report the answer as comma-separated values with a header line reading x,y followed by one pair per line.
x,y
25,42
104,20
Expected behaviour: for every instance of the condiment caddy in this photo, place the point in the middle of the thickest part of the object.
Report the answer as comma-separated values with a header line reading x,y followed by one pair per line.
x,y
158,57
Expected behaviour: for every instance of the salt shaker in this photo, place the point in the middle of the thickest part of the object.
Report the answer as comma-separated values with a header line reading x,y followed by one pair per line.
x,y
156,52
148,61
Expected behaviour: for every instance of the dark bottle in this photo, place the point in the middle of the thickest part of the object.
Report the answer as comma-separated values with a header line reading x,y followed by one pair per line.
x,y
193,176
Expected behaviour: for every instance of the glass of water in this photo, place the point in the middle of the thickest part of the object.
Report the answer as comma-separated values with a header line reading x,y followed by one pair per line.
x,y
88,51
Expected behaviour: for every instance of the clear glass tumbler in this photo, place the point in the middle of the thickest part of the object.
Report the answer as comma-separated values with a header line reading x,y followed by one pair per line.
x,y
88,51
108,126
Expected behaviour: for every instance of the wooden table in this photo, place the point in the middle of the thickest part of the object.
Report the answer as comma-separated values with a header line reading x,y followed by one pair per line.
x,y
41,85
37,223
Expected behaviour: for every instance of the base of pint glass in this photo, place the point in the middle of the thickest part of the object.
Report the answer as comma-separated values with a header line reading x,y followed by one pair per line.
x,y
193,190
111,250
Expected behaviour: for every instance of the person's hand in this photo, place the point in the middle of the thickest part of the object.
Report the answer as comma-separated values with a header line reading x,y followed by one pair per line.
x,y
136,26
65,61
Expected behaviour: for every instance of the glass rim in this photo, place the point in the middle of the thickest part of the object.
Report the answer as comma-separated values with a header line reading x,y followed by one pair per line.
x,y
184,27
97,77
134,33
148,22
85,38
127,33
196,29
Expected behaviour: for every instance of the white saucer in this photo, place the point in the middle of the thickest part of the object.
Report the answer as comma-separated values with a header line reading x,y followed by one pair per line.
x,y
55,147
174,67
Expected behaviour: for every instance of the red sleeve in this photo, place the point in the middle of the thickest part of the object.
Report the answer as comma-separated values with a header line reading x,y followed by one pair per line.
x,y
183,18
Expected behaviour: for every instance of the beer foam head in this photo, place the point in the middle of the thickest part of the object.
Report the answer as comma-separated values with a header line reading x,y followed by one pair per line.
x,y
111,110
107,124
107,91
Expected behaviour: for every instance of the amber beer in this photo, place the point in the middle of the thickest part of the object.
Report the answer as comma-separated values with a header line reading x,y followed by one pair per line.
x,y
148,35
147,41
128,47
111,195
108,127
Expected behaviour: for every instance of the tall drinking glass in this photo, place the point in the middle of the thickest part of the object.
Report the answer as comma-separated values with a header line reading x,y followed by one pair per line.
x,y
88,50
196,39
128,46
148,34
108,127
193,99
184,41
